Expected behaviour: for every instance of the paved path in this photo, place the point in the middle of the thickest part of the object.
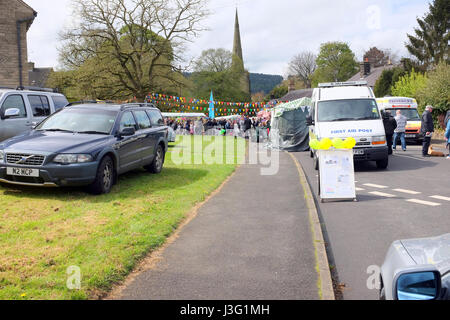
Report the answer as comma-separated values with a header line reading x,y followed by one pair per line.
x,y
410,199
251,241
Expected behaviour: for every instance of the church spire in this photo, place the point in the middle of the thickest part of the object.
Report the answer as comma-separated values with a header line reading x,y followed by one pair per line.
x,y
237,46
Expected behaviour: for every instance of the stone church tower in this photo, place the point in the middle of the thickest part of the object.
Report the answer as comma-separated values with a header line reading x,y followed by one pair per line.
x,y
16,18
238,60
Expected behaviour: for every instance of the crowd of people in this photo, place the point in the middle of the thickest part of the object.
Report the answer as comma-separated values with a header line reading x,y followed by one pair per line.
x,y
395,128
238,127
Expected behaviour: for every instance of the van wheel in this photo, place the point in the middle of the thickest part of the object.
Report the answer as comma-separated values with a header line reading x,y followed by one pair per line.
x,y
383,164
105,177
316,162
157,165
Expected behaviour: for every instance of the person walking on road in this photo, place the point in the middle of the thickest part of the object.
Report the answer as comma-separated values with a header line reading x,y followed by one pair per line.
x,y
447,135
389,127
400,130
427,129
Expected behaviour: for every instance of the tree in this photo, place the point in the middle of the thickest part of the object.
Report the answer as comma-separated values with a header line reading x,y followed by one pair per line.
x,y
130,47
377,57
437,92
409,85
214,60
336,62
387,79
430,42
303,66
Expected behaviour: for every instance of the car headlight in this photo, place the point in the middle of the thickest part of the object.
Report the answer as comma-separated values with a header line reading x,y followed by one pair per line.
x,y
72,158
378,140
2,155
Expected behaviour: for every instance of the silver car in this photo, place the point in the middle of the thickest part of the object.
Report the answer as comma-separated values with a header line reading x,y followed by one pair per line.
x,y
20,110
417,269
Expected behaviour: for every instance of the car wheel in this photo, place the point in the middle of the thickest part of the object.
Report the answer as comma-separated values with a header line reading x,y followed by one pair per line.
x,y
158,161
105,177
383,164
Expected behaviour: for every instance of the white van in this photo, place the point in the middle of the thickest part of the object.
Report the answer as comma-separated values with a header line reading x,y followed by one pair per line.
x,y
349,109
408,107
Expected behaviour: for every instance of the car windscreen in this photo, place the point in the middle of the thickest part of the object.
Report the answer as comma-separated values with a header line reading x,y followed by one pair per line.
x,y
348,110
80,120
410,114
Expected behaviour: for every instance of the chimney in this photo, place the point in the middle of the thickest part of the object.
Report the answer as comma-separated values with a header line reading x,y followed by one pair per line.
x,y
31,66
291,86
366,67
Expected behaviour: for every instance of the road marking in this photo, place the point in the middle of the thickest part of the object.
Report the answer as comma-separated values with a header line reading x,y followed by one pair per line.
x,y
427,203
441,198
375,186
360,189
407,191
381,194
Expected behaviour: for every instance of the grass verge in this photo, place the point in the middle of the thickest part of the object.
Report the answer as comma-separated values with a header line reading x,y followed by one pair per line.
x,y
43,232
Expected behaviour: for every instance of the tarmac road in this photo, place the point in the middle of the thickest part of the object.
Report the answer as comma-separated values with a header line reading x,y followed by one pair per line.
x,y
411,199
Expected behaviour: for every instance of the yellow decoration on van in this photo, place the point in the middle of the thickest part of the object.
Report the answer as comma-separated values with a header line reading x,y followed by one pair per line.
x,y
338,143
327,143
349,143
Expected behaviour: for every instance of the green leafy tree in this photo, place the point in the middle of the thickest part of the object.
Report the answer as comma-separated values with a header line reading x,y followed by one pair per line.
x,y
409,85
387,79
429,44
277,92
335,62
128,48
437,92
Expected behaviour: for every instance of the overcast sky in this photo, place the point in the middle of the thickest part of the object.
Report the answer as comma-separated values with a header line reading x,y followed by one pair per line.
x,y
272,31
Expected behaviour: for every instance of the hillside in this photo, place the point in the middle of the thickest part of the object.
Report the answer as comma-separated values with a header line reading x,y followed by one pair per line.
x,y
264,82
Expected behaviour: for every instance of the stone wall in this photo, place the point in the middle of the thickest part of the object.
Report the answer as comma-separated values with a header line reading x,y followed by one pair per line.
x,y
11,11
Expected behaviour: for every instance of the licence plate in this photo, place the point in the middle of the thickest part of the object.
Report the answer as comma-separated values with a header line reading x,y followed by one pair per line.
x,y
358,151
22,172
410,135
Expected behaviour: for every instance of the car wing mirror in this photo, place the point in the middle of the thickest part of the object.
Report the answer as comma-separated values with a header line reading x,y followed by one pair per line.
x,y
418,285
10,113
127,132
309,121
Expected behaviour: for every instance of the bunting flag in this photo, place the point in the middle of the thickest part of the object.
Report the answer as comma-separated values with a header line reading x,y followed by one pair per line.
x,y
219,108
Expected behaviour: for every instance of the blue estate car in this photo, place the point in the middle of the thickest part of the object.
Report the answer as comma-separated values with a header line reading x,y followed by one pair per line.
x,y
86,145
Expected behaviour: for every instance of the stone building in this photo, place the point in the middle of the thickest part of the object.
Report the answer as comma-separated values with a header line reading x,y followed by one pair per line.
x,y
16,18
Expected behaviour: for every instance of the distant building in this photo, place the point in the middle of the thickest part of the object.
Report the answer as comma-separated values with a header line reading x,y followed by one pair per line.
x,y
370,74
38,77
16,18
238,60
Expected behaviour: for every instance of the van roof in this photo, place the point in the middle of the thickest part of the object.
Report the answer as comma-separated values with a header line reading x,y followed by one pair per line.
x,y
342,93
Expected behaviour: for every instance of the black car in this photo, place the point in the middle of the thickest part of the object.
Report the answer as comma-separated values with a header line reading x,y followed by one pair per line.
x,y
86,145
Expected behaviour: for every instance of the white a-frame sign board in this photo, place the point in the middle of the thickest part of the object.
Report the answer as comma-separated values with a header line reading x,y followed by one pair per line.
x,y
336,175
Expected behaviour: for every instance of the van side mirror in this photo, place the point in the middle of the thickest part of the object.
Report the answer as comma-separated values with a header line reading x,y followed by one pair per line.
x,y
10,113
127,132
309,121
423,285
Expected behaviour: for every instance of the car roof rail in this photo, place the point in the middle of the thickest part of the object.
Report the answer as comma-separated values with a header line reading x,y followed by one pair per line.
x,y
7,88
82,102
136,104
28,88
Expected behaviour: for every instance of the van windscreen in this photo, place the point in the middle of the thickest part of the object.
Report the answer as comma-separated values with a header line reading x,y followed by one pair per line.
x,y
348,110
410,114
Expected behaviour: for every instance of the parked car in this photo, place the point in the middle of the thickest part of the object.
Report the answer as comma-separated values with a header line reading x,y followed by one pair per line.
x,y
21,109
417,269
86,145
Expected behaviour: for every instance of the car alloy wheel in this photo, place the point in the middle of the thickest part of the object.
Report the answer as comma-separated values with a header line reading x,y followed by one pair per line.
x,y
107,176
159,159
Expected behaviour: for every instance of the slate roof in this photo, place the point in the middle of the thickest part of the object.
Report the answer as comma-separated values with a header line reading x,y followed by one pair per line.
x,y
38,77
374,75
297,94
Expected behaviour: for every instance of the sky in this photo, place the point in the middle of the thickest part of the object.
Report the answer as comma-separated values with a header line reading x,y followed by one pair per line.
x,y
272,32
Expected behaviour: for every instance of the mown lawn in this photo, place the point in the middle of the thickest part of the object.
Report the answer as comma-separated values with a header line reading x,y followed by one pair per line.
x,y
45,231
